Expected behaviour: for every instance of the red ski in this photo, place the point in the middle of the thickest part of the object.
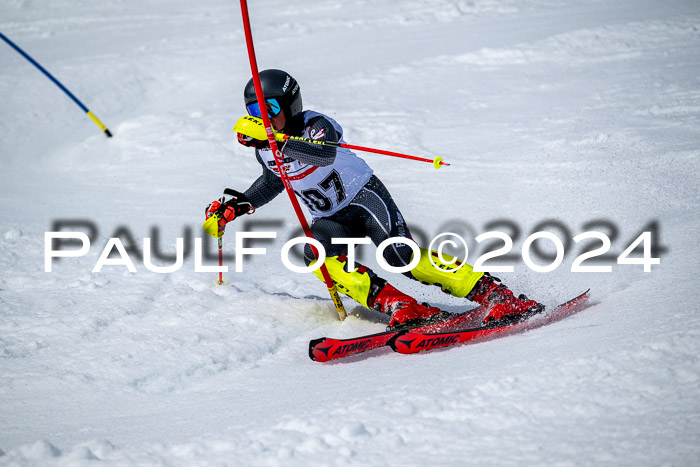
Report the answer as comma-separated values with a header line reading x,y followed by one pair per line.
x,y
416,340
429,336
327,348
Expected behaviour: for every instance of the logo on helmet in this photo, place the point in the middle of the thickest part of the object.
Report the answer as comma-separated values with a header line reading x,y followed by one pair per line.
x,y
286,83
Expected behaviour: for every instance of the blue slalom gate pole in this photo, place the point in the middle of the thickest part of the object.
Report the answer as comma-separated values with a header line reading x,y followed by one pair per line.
x,y
57,83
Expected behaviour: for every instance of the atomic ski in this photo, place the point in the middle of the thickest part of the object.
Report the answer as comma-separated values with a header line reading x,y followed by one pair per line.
x,y
416,340
327,348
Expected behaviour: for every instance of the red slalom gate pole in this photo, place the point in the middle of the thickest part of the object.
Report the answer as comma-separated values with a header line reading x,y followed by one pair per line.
x,y
332,289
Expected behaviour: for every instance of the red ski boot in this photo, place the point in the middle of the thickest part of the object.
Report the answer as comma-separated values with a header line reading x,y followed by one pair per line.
x,y
500,301
402,308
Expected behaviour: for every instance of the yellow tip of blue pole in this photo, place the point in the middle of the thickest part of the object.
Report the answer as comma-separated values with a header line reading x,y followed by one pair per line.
x,y
99,124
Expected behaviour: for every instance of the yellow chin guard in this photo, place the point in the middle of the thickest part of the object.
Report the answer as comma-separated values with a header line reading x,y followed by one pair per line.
x,y
254,127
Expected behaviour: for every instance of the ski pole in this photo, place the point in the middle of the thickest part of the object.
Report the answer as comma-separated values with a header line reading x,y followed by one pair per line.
x,y
221,260
251,126
270,135
57,83
437,162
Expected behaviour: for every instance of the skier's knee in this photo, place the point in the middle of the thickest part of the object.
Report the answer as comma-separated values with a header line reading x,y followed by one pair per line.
x,y
399,256
308,255
329,249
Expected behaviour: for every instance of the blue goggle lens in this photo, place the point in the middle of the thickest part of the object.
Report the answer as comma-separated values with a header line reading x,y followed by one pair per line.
x,y
273,108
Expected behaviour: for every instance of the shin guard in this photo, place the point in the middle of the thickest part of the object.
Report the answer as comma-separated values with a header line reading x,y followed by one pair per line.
x,y
457,282
356,284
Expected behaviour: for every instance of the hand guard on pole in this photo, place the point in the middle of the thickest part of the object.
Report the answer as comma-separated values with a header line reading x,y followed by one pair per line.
x,y
222,211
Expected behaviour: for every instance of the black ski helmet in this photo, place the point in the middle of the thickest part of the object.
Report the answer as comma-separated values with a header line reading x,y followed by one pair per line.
x,y
280,85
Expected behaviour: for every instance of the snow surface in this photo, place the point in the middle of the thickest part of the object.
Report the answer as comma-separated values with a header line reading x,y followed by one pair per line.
x,y
547,109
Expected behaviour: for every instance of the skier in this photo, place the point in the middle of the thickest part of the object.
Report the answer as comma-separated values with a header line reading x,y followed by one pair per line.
x,y
347,200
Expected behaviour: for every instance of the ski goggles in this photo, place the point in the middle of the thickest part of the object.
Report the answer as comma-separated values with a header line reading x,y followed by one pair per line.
x,y
273,108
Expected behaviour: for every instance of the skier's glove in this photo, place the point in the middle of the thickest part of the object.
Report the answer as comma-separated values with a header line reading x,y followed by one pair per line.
x,y
222,211
252,142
